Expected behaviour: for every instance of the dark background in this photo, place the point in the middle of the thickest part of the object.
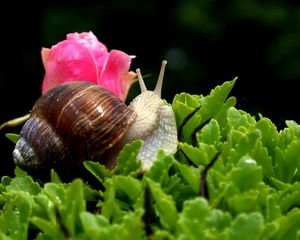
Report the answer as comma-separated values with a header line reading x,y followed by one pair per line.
x,y
206,42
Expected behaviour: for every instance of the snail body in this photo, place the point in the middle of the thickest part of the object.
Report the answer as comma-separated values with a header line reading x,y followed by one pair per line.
x,y
77,121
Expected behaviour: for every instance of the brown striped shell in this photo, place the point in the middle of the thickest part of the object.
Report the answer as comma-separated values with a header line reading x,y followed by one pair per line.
x,y
72,122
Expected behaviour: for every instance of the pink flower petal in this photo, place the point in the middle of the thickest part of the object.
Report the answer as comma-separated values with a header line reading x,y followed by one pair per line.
x,y
45,56
82,57
115,76
97,49
68,61
88,40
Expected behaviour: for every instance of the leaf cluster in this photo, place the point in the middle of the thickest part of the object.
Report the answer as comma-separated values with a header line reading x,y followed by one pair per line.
x,y
234,176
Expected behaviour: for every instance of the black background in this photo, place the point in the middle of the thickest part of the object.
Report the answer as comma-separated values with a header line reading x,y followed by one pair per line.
x,y
205,43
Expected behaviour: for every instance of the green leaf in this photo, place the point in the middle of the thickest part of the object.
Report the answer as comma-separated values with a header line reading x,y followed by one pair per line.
x,y
48,228
178,189
132,226
290,197
241,144
190,126
287,161
247,227
210,133
270,231
13,137
260,154
129,186
183,104
97,227
44,208
192,220
295,127
279,185
91,194
247,175
91,222
14,217
5,181
219,220
289,225
54,177
97,170
269,134
211,105
127,162
24,183
55,192
164,205
162,235
159,171
201,155
221,116
213,102
272,209
68,202
72,207
243,202
195,154
238,119
286,137
110,208
19,172
191,175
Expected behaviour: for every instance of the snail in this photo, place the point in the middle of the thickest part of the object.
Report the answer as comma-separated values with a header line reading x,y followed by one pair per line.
x,y
78,121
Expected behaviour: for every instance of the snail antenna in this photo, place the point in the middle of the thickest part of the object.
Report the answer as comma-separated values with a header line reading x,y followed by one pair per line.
x,y
158,86
141,81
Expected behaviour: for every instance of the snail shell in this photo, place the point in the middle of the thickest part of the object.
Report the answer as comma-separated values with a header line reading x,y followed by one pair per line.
x,y
70,123
77,121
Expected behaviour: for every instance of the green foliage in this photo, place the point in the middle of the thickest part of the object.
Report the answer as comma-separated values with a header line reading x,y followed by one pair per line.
x,y
234,176
13,137
126,161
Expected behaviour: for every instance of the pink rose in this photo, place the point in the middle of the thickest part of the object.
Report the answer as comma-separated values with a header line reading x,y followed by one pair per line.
x,y
82,57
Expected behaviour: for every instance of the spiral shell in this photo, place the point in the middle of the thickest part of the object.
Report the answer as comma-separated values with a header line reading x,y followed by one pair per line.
x,y
71,123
